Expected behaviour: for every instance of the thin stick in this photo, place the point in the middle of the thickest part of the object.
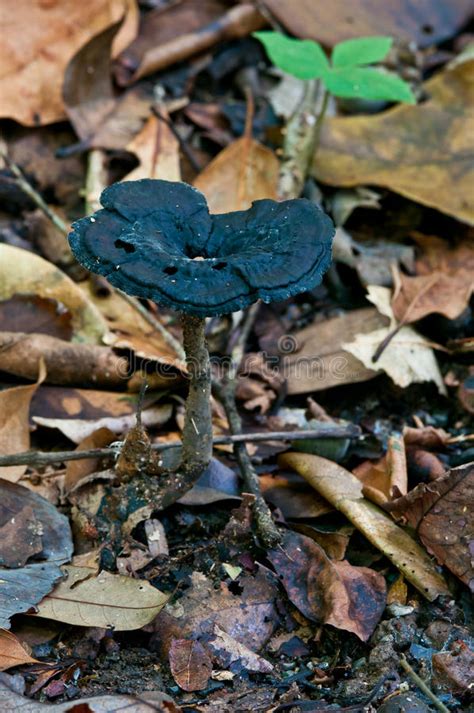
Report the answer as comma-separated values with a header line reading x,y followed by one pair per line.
x,y
37,199
422,686
155,323
41,458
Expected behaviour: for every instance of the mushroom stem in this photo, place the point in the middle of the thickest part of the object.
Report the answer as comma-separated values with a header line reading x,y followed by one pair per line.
x,y
197,431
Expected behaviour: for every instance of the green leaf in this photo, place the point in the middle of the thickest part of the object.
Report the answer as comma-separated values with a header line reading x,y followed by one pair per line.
x,y
304,59
362,50
368,83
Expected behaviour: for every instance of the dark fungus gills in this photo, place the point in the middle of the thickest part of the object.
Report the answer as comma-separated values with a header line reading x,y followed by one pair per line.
x,y
157,240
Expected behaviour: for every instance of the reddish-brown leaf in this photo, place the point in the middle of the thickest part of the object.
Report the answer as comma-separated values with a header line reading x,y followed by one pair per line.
x,y
190,664
349,598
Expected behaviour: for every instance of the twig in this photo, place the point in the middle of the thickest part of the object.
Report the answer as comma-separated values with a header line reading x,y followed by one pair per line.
x,y
155,323
187,150
266,528
27,188
422,686
41,458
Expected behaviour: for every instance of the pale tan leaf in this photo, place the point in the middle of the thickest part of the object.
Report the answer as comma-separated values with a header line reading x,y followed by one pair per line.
x,y
14,423
105,600
343,490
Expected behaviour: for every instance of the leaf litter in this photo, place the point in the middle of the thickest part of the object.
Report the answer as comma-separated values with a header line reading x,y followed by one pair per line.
x,y
184,599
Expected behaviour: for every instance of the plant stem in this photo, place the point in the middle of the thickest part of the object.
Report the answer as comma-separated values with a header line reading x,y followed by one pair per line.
x,y
197,431
301,139
320,120
422,686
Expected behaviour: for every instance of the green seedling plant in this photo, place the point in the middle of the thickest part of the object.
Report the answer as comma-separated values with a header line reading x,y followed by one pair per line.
x,y
347,74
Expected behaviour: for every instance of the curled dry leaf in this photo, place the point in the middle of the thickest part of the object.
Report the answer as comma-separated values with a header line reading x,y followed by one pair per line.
x,y
77,470
243,172
344,491
67,363
428,156
349,598
105,600
31,84
14,423
190,664
32,546
24,273
12,653
441,513
147,702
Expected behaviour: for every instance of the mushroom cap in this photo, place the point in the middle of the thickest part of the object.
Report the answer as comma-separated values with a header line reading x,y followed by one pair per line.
x,y
157,240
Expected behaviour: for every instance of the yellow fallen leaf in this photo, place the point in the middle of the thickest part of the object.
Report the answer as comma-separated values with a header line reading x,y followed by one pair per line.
x,y
343,490
104,600
24,273
423,152
157,149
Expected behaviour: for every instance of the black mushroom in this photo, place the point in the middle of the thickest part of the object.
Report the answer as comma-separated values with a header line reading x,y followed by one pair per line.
x,y
157,240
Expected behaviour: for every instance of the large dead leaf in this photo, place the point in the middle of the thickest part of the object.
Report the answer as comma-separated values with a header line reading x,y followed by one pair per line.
x,y
14,423
344,491
157,149
39,39
105,600
146,702
408,358
241,173
441,513
12,653
423,152
315,359
336,593
35,540
425,21
24,273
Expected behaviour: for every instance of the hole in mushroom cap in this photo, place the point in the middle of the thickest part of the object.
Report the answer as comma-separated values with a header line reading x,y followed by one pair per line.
x,y
171,270
122,245
219,266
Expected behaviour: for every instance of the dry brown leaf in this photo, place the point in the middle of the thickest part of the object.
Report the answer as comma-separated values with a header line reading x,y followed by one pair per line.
x,y
24,273
444,281
12,653
423,152
76,470
39,39
441,512
105,600
344,491
157,149
190,664
349,598
14,424
426,22
241,173
314,358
